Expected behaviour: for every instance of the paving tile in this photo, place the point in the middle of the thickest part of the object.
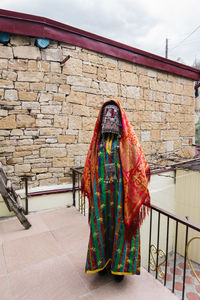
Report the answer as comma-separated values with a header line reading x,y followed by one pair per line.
x,y
190,280
72,238
63,217
177,271
178,286
26,251
92,281
193,296
53,279
1,232
5,293
143,287
197,288
88,296
181,265
3,270
197,272
12,229
48,262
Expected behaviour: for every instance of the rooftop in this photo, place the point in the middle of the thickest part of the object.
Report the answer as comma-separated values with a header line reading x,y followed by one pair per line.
x,y
47,262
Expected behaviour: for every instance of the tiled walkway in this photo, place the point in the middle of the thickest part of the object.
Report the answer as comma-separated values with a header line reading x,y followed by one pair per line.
x,y
192,286
47,262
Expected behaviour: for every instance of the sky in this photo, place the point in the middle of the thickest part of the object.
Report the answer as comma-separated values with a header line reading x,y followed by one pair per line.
x,y
143,24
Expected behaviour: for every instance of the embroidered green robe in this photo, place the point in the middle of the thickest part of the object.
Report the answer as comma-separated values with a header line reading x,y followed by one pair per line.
x,y
107,243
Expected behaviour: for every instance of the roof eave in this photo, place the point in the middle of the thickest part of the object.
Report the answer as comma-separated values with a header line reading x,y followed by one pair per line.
x,y
25,24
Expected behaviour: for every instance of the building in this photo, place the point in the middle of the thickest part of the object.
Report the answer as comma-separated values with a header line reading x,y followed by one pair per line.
x,y
54,78
50,97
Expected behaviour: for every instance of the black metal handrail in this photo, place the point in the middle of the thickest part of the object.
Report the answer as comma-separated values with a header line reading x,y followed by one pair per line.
x,y
76,186
77,175
178,221
43,192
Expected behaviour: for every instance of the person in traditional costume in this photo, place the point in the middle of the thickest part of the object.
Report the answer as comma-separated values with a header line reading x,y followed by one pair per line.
x,y
115,181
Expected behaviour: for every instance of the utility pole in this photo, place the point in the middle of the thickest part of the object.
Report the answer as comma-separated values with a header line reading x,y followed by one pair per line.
x,y
166,49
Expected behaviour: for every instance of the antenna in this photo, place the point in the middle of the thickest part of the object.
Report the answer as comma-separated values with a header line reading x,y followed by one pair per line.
x,y
166,49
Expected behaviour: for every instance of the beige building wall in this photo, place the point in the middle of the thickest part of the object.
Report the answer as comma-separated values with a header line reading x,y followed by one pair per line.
x,y
48,109
197,109
188,205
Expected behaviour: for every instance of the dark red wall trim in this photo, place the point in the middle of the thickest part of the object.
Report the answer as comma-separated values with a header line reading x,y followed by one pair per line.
x,y
25,24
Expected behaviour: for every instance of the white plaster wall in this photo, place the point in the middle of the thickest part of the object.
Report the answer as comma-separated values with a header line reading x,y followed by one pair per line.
x,y
162,191
38,203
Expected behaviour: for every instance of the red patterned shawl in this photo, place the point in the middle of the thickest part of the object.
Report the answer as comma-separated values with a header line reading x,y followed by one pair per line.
x,y
135,170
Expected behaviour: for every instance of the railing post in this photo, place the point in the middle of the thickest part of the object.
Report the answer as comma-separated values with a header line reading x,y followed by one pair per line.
x,y
158,242
174,272
84,205
184,270
167,242
73,184
150,240
79,204
25,178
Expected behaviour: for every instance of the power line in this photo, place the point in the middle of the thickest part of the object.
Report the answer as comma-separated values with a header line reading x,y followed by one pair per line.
x,y
186,37
190,42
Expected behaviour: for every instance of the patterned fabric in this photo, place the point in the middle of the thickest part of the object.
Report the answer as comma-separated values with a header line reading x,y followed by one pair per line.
x,y
107,243
135,173
111,120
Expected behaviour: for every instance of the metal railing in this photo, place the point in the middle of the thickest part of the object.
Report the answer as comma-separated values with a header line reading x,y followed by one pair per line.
x,y
177,221
79,203
76,186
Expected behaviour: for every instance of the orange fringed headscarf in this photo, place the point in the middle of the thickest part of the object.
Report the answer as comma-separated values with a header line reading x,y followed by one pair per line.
x,y
135,170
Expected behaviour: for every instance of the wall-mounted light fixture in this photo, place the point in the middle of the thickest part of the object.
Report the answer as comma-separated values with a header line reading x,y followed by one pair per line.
x,y
4,38
42,43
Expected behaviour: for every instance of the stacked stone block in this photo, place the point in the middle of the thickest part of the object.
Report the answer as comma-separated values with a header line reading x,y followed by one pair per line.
x,y
49,108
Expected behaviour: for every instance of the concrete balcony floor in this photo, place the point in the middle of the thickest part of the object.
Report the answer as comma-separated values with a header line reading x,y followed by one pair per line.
x,y
47,262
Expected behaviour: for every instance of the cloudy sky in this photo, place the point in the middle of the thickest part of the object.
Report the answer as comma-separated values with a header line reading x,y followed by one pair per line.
x,y
143,24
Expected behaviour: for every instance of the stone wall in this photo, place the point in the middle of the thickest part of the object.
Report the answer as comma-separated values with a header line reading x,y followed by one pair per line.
x,y
48,109
197,109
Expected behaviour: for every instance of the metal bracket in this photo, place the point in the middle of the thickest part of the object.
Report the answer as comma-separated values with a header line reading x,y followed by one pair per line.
x,y
154,251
